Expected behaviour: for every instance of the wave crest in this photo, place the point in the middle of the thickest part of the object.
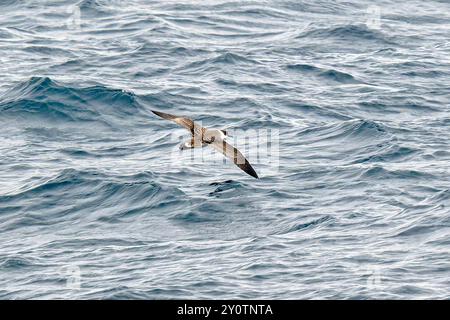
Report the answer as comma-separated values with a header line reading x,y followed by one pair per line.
x,y
44,98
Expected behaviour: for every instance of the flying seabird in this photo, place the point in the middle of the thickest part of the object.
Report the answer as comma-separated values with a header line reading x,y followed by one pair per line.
x,y
201,137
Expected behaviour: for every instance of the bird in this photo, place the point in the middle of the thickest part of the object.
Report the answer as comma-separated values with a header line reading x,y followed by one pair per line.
x,y
201,137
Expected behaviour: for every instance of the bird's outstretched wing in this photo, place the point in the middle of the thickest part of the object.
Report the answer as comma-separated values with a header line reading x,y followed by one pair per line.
x,y
182,121
234,154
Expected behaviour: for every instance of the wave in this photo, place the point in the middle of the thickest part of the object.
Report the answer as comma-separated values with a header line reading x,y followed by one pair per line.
x,y
225,187
44,98
71,178
323,73
379,172
348,32
428,216
96,8
119,197
396,105
392,153
315,223
355,142
362,130
217,62
9,3
15,262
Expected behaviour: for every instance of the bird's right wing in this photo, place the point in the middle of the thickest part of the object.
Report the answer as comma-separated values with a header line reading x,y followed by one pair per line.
x,y
234,154
182,121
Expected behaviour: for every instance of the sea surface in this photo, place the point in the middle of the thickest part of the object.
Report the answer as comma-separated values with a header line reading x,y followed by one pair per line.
x,y
98,202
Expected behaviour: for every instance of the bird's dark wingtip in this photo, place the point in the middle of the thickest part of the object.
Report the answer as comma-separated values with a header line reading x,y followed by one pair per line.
x,y
249,170
163,115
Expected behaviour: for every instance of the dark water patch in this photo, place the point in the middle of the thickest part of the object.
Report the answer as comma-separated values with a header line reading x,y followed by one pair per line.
x,y
73,152
364,131
322,73
192,217
338,76
346,32
301,67
392,153
216,63
187,51
379,172
232,58
222,183
95,8
322,221
225,187
15,263
426,74
47,50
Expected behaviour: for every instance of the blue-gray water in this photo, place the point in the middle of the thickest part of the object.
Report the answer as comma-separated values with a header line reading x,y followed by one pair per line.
x,y
91,206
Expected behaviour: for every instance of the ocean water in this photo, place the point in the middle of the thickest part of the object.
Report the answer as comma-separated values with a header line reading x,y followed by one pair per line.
x,y
97,202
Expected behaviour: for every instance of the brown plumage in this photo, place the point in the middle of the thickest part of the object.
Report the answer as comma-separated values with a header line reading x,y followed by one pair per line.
x,y
203,136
